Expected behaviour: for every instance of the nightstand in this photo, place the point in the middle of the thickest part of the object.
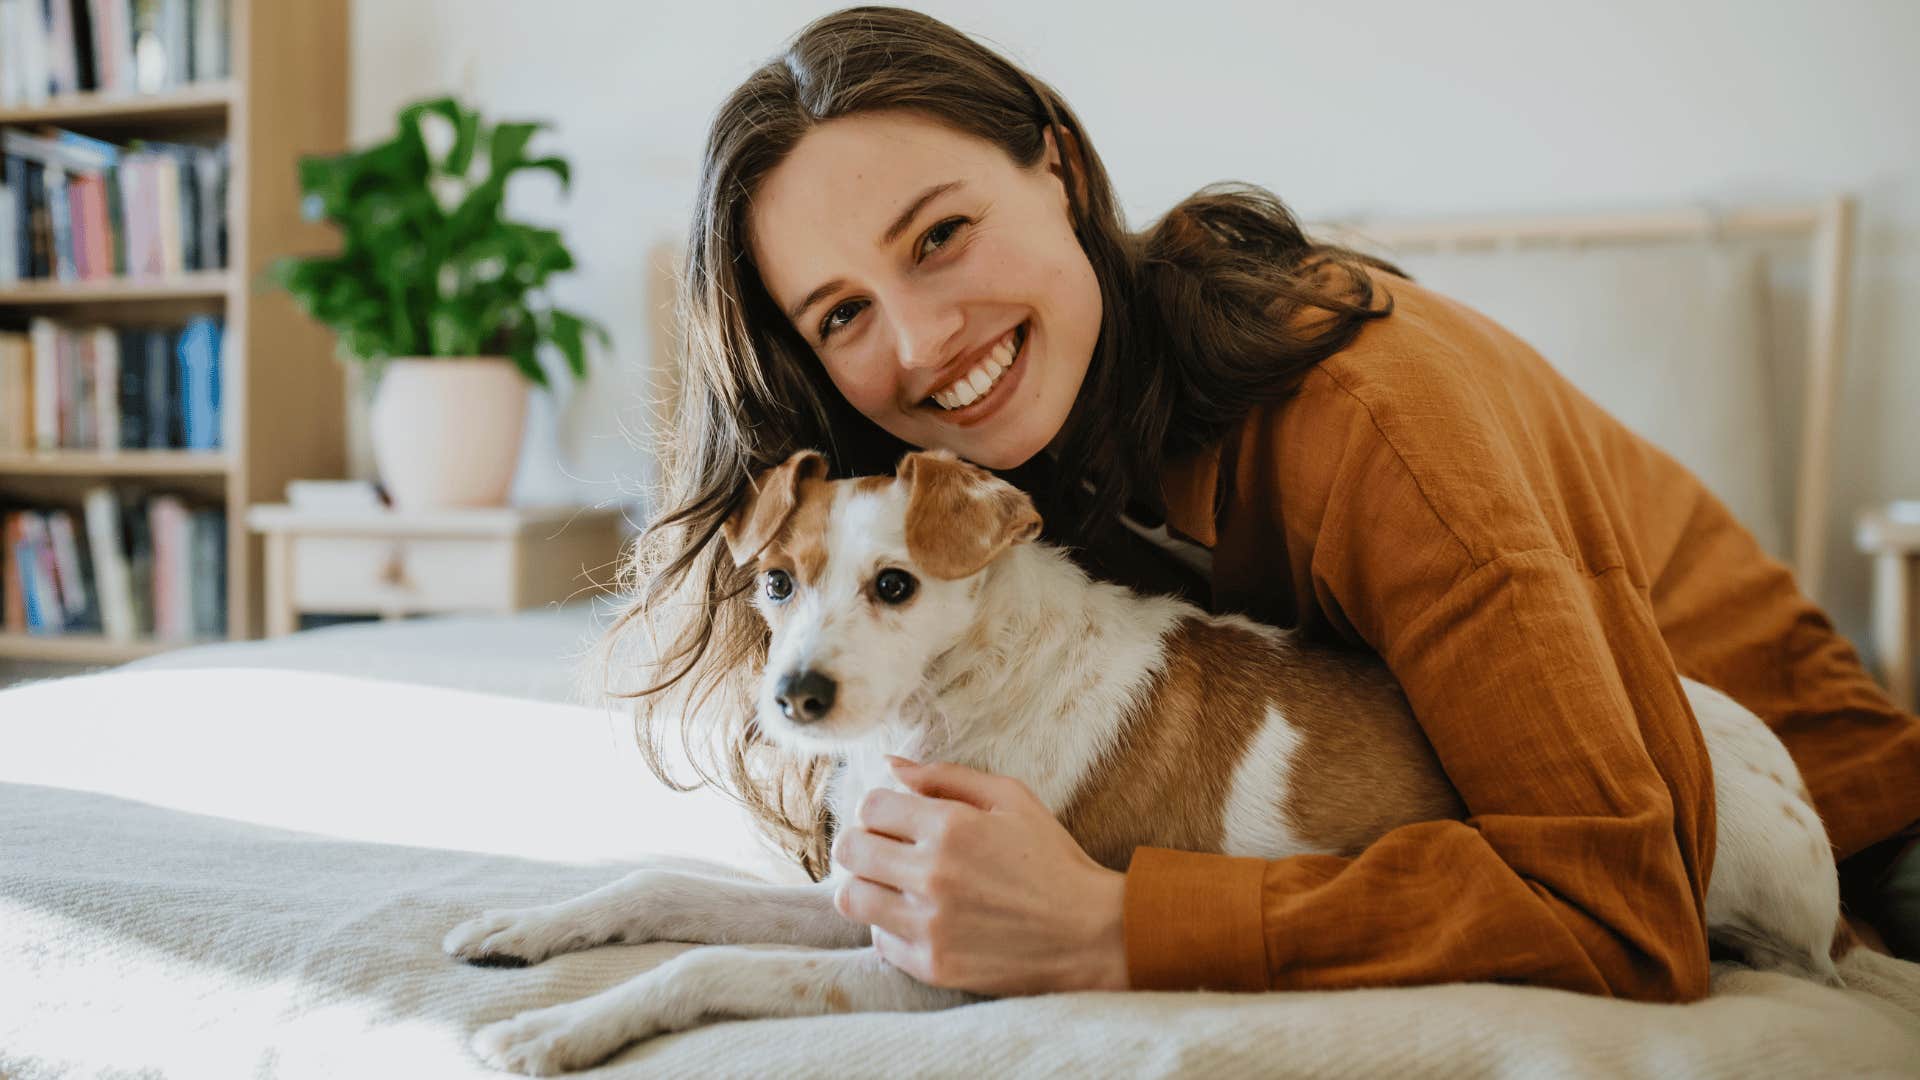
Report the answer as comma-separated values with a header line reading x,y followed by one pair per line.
x,y
1891,535
397,563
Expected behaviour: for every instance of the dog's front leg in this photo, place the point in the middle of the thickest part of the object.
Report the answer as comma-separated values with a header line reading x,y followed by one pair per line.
x,y
701,985
658,905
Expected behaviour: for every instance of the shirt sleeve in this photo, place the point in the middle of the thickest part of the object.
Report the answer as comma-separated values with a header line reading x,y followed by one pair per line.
x,y
1536,669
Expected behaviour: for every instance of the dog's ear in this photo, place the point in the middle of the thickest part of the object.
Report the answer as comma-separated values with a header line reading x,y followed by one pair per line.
x,y
960,517
770,501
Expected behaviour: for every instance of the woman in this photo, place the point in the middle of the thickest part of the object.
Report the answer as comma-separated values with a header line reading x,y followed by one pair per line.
x,y
1306,436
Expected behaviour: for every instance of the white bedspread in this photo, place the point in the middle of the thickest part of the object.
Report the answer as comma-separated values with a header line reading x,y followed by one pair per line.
x,y
235,873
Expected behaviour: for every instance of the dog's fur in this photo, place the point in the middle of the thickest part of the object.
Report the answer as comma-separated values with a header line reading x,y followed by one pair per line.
x,y
1239,739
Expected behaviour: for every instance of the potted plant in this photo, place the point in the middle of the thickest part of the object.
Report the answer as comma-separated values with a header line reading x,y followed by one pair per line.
x,y
440,296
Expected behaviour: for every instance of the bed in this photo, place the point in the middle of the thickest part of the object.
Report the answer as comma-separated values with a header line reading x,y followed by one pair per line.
x,y
239,860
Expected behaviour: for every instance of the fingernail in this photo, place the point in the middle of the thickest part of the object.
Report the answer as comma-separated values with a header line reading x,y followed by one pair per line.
x,y
897,761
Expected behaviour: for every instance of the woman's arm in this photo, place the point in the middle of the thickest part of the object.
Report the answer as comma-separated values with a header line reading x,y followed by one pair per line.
x,y
1582,864
1432,508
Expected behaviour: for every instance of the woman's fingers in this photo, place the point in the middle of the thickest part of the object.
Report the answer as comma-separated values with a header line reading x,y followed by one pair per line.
x,y
902,953
879,858
902,815
876,905
946,780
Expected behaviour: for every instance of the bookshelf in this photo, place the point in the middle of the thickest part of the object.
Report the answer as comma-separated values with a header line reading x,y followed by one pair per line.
x,y
282,392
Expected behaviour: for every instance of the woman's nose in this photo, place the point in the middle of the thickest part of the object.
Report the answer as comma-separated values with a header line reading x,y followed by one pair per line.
x,y
925,332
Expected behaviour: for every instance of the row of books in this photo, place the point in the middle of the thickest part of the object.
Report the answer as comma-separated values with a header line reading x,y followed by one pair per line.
x,y
76,208
112,46
66,387
126,565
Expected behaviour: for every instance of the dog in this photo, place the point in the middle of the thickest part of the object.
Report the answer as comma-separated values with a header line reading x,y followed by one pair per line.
x,y
917,615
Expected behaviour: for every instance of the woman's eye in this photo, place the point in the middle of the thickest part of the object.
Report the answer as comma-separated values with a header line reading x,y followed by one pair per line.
x,y
779,585
833,321
940,235
894,586
932,240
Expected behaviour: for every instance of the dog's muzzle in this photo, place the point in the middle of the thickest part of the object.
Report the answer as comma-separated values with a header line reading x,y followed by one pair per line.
x,y
804,696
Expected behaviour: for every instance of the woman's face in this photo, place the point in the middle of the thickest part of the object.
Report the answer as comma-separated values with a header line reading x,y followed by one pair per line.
x,y
940,284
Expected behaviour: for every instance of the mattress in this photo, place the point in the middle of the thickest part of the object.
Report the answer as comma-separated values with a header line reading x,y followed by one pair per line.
x,y
246,869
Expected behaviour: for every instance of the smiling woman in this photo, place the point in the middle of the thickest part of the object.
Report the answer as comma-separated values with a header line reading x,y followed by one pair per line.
x,y
903,241
962,312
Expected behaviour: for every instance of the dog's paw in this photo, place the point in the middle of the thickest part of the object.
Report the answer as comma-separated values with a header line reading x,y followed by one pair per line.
x,y
547,1041
512,938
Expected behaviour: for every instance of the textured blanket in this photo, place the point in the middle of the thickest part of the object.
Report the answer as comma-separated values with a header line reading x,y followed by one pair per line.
x,y
247,874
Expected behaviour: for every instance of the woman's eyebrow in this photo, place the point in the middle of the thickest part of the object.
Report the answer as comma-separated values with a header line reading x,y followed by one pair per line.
x,y
893,233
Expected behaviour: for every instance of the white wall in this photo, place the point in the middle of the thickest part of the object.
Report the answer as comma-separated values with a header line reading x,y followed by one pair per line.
x,y
1386,108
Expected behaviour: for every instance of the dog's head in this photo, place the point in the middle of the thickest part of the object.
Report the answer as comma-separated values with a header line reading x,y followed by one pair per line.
x,y
865,582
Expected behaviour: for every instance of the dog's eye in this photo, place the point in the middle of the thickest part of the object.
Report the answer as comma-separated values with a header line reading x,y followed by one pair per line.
x,y
779,585
894,586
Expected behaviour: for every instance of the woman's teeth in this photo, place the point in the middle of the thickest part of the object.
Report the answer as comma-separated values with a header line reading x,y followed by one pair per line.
x,y
974,385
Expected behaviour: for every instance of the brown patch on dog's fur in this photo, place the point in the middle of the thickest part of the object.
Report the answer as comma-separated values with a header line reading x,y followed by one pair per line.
x,y
1165,781
1363,767
802,542
837,1000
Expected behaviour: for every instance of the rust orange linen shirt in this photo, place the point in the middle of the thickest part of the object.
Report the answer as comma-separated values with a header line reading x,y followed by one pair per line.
x,y
1536,576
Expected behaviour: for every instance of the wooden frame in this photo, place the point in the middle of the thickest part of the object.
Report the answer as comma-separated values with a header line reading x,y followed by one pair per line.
x,y
1828,229
284,394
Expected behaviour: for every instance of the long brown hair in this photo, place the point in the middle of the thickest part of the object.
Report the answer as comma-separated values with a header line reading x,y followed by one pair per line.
x,y
1220,306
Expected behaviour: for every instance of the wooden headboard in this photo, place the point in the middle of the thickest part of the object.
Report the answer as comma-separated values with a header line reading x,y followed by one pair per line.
x,y
1822,233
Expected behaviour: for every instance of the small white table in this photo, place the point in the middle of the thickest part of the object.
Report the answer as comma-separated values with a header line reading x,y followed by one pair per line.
x,y
396,563
1891,535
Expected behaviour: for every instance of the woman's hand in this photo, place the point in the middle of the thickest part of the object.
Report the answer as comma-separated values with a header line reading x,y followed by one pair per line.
x,y
970,883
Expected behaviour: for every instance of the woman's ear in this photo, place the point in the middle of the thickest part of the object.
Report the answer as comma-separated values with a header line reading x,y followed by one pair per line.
x,y
1062,143
770,500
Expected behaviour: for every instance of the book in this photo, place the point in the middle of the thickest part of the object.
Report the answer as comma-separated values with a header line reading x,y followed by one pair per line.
x,y
9,224
208,540
111,572
13,581
72,572
105,346
16,393
46,383
137,524
199,354
172,568
40,578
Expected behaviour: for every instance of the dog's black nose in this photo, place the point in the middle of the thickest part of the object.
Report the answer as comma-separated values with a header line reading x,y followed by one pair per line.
x,y
805,696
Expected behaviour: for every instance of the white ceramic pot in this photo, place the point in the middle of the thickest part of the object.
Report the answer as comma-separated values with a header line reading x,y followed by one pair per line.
x,y
446,431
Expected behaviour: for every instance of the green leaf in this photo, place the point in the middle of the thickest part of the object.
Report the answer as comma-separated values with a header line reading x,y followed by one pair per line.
x,y
413,278
566,329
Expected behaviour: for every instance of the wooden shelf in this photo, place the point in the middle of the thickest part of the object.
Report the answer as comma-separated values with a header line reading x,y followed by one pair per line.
x,y
85,648
195,103
283,394
197,285
121,463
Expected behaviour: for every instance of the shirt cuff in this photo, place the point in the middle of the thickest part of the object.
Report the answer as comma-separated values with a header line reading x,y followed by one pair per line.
x,y
1194,922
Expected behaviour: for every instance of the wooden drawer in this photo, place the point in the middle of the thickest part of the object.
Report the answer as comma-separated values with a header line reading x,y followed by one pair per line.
x,y
348,574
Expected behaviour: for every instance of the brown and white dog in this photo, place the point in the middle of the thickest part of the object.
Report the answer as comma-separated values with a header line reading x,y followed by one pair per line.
x,y
912,615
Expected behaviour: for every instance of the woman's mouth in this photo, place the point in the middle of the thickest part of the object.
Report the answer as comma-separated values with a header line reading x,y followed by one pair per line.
x,y
966,394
